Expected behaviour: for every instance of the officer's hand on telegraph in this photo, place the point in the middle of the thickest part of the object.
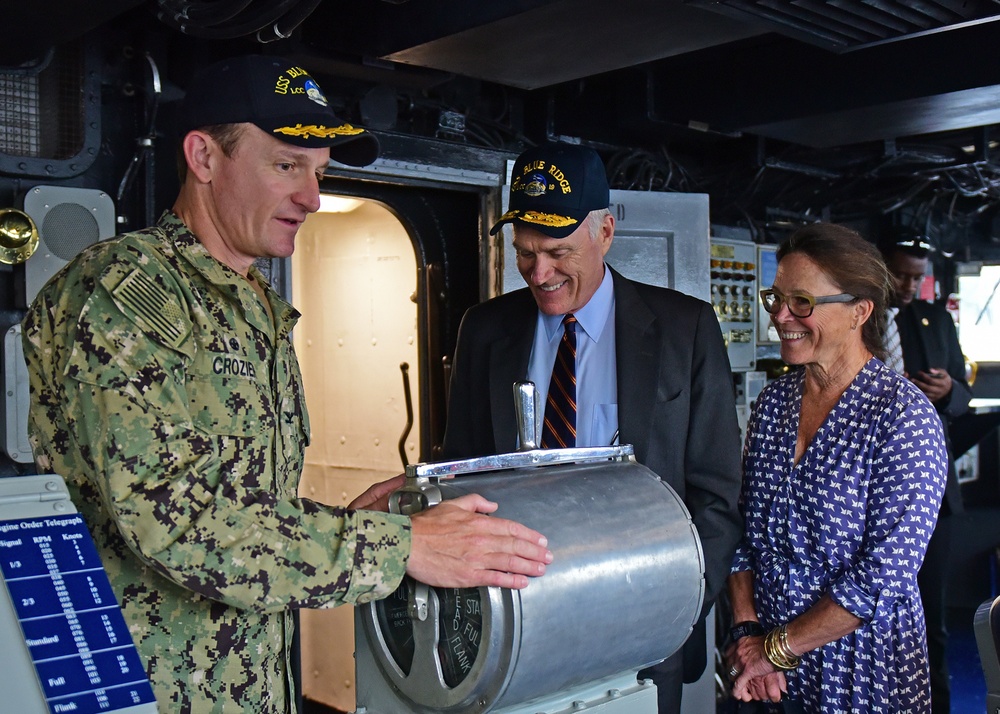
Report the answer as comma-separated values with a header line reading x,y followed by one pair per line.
x,y
935,383
376,498
456,546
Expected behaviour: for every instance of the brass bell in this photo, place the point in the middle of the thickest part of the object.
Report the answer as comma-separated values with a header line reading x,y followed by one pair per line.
x,y
18,236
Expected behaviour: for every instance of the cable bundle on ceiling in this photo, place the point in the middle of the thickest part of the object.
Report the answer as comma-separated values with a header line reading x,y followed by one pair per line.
x,y
229,19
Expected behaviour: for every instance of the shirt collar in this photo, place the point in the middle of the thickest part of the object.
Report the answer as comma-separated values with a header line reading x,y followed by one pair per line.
x,y
592,317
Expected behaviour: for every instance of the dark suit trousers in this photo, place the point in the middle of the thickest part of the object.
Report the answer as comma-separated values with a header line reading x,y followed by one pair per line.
x,y
668,676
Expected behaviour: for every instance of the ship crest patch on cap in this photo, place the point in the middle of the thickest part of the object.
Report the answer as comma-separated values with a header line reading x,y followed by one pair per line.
x,y
540,177
315,93
535,185
284,85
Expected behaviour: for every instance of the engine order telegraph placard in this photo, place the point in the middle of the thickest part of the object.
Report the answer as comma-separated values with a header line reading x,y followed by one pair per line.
x,y
71,626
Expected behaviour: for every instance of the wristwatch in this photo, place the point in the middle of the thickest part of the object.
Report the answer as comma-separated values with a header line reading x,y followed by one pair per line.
x,y
744,629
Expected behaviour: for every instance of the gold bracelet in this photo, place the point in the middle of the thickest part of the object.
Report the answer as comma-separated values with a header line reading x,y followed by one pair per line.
x,y
775,656
778,652
772,656
786,650
784,646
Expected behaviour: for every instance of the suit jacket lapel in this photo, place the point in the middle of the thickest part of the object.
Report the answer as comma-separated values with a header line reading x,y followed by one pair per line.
x,y
638,357
509,357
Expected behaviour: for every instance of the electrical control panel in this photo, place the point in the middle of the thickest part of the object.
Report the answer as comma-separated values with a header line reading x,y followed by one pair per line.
x,y
733,288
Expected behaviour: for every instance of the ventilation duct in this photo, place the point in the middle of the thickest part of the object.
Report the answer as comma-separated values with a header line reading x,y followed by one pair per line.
x,y
50,115
843,25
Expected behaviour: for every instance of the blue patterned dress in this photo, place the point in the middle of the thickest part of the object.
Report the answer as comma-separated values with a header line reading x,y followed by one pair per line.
x,y
851,519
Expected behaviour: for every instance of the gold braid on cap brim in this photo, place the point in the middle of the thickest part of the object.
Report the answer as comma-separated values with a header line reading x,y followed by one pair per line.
x,y
547,219
321,132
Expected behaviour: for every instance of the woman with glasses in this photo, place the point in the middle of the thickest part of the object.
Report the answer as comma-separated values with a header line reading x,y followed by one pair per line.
x,y
843,470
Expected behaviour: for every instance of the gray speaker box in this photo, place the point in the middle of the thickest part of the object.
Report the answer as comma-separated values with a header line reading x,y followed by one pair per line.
x,y
68,220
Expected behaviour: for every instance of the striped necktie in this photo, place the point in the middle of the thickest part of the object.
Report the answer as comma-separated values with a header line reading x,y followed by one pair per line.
x,y
893,348
559,431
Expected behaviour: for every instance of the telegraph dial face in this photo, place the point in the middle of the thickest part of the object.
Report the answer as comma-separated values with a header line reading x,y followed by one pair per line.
x,y
394,623
459,629
457,656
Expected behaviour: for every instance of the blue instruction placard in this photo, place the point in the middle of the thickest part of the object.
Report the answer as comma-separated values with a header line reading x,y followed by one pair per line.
x,y
72,624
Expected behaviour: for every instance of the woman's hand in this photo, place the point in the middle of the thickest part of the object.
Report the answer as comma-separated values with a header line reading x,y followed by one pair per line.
x,y
768,688
755,677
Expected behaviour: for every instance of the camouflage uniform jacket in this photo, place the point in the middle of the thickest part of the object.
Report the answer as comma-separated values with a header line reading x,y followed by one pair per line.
x,y
174,408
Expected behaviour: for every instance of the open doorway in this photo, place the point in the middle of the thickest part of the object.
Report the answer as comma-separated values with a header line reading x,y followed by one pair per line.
x,y
354,279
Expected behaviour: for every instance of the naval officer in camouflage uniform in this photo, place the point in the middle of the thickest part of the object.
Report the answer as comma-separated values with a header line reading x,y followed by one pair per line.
x,y
165,389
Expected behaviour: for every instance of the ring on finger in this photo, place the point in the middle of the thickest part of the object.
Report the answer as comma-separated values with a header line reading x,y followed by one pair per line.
x,y
734,672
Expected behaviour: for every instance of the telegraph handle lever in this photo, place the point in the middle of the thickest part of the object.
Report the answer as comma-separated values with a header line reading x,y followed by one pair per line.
x,y
526,412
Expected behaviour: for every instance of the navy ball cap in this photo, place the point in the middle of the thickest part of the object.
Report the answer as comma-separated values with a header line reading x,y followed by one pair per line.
x,y
279,97
554,186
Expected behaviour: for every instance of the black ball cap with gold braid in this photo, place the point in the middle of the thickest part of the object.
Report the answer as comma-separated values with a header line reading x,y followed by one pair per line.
x,y
279,97
554,186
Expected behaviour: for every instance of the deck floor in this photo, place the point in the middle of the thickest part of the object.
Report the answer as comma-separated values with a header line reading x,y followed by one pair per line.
x,y
968,686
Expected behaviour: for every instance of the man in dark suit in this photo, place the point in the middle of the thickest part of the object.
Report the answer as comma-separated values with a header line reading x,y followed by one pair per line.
x,y
651,365
933,360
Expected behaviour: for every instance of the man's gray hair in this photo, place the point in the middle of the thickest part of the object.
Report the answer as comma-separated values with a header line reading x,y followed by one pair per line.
x,y
595,219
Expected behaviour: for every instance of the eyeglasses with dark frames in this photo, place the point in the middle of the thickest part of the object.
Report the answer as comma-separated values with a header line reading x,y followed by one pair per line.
x,y
799,304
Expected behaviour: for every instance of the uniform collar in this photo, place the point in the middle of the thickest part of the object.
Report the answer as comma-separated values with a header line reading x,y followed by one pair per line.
x,y
194,252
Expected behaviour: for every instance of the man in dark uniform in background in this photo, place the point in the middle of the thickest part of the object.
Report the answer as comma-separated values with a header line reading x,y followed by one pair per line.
x,y
651,366
932,360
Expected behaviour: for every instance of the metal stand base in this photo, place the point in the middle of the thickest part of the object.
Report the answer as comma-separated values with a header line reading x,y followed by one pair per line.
x,y
618,695
623,695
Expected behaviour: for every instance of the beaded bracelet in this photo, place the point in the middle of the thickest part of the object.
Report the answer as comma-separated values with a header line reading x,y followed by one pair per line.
x,y
778,652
